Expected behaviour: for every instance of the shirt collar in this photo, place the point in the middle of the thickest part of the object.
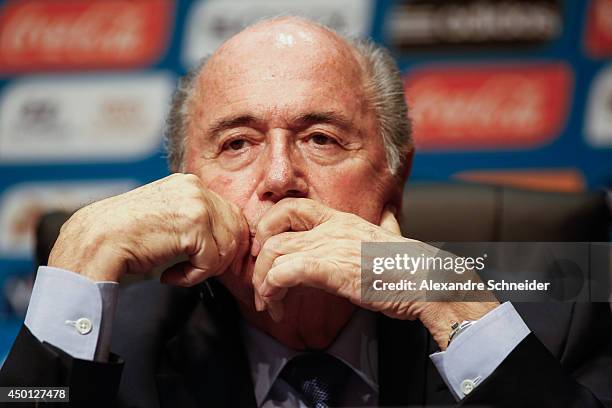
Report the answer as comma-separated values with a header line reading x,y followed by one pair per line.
x,y
356,345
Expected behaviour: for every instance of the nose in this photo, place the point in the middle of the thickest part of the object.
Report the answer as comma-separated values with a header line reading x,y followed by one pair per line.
x,y
282,174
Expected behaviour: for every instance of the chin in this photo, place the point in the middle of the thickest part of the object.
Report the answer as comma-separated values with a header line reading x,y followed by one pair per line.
x,y
313,318
316,317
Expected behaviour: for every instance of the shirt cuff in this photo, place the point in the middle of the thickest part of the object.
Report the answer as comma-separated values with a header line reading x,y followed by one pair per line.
x,y
72,313
480,349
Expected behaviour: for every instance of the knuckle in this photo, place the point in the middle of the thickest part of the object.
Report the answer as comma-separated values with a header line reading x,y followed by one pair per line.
x,y
314,266
189,178
354,287
191,184
279,260
273,244
79,214
273,278
229,249
349,218
317,272
174,176
196,211
262,231
260,226
291,204
185,280
372,235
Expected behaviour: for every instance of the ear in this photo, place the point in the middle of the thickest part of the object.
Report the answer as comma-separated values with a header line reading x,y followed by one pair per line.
x,y
406,168
397,192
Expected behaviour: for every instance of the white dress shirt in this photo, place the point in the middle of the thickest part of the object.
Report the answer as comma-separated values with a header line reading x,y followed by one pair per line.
x,y
356,346
75,314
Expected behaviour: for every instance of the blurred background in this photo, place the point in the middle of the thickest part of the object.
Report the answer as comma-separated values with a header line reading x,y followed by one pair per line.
x,y
506,92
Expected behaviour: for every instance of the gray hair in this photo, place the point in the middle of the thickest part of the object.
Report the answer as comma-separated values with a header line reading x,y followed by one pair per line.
x,y
383,87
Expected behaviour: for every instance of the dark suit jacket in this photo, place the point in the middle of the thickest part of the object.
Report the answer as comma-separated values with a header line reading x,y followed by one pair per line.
x,y
182,348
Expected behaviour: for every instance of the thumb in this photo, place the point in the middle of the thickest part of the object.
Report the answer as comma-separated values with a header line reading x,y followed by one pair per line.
x,y
388,221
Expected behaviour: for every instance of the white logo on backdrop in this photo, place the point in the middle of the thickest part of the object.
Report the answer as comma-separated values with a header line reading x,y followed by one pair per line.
x,y
22,204
598,118
211,22
81,118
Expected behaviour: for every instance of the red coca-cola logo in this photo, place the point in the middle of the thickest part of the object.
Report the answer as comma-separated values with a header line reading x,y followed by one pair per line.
x,y
598,29
488,107
42,35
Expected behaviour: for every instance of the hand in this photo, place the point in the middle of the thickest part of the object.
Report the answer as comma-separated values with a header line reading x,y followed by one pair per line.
x,y
150,226
302,242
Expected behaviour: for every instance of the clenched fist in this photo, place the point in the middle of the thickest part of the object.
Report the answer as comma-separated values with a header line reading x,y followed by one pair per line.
x,y
301,242
152,225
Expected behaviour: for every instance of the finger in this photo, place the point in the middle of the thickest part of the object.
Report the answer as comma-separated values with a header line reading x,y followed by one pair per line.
x,y
305,269
276,310
207,256
274,304
259,276
275,247
299,270
229,230
388,221
184,274
289,214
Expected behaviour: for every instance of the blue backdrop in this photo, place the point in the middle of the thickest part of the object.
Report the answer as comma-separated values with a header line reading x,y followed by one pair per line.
x,y
517,92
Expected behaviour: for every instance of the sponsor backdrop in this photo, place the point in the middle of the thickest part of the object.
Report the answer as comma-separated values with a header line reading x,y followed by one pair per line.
x,y
514,92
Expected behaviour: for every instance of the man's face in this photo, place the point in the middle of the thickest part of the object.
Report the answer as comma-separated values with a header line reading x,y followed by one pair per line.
x,y
281,112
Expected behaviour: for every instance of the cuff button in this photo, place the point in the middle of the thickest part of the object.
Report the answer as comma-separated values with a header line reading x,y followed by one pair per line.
x,y
83,325
467,386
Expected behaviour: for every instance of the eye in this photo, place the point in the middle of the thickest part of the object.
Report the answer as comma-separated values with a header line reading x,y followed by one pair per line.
x,y
236,144
322,140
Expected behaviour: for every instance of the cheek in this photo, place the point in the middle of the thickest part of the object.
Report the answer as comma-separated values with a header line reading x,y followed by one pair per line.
x,y
239,189
234,188
361,193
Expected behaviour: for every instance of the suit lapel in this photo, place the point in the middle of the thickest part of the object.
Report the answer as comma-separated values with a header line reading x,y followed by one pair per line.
x,y
407,377
402,348
205,364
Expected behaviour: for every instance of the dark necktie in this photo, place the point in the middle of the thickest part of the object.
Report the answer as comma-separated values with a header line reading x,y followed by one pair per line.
x,y
319,377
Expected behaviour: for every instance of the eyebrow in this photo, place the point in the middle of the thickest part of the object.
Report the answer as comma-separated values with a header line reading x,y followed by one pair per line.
x,y
232,122
330,117
300,122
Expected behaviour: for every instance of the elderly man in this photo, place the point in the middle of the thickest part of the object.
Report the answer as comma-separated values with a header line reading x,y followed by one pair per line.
x,y
290,146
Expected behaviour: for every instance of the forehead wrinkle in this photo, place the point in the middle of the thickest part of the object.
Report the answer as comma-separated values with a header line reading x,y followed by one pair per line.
x,y
299,121
315,117
231,122
324,51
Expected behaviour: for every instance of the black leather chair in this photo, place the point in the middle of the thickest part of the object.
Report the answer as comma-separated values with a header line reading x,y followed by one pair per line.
x,y
464,212
487,213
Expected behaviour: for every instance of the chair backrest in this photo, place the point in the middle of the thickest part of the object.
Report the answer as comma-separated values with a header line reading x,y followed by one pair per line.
x,y
463,212
47,230
474,212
